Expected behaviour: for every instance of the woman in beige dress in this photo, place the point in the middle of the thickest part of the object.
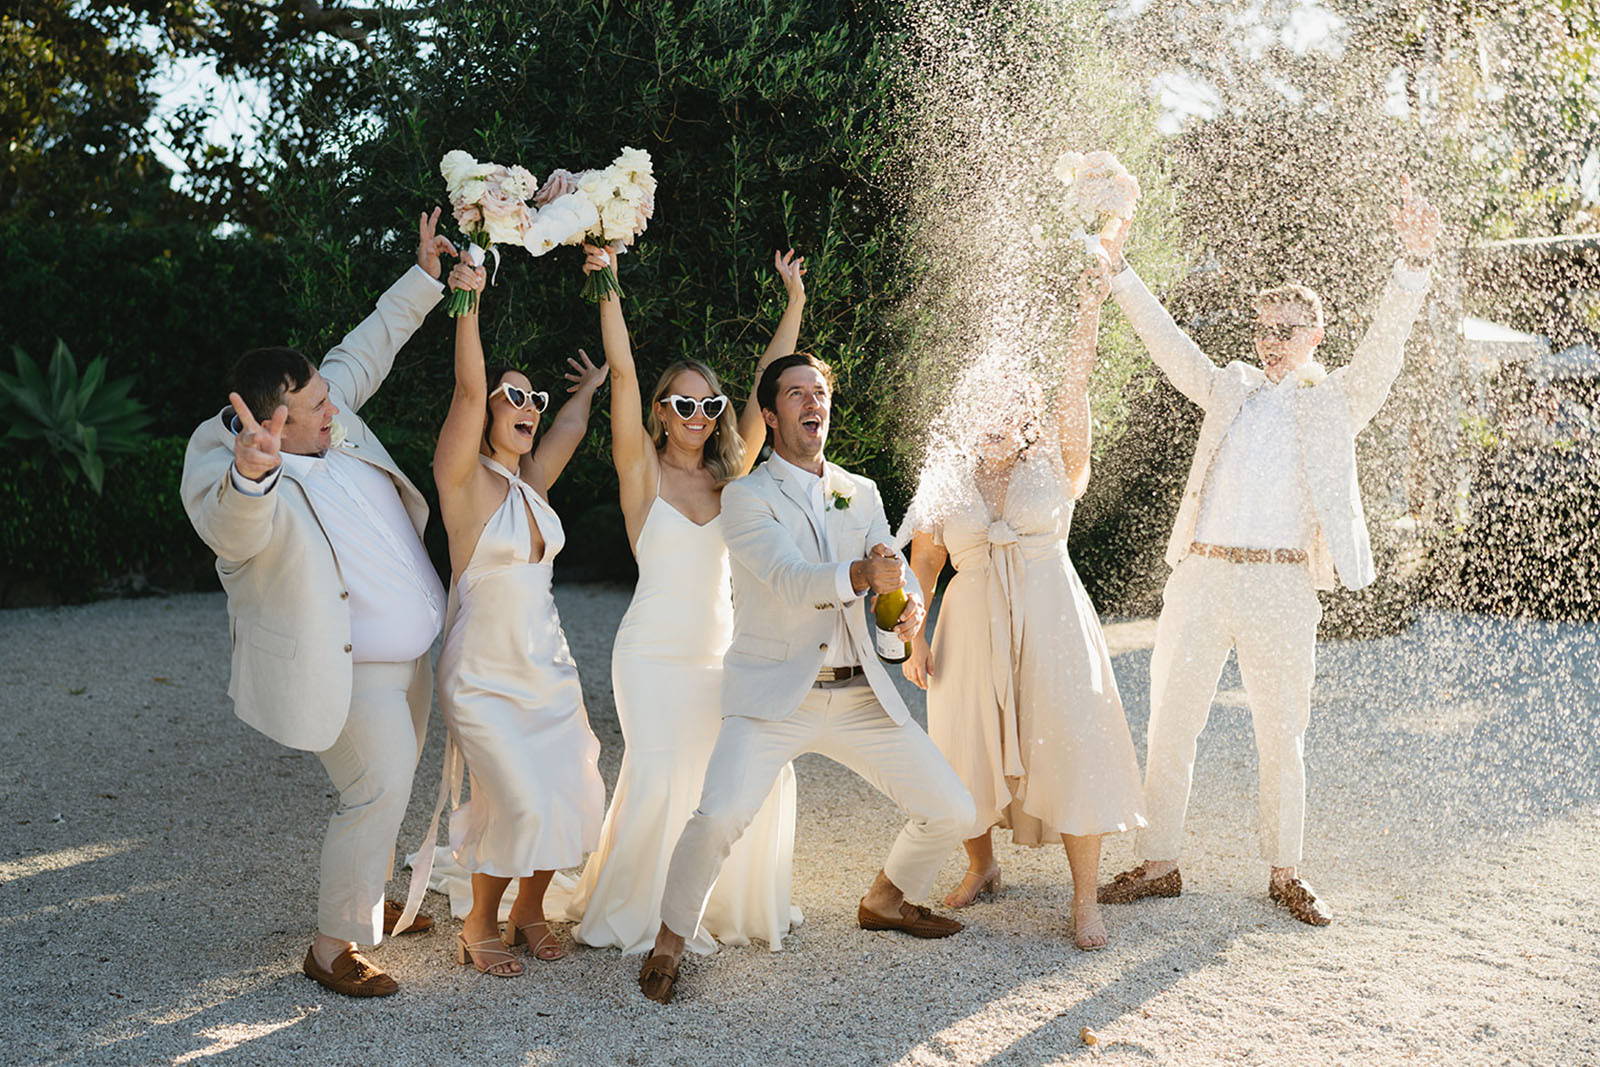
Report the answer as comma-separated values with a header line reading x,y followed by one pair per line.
x,y
1021,695
508,686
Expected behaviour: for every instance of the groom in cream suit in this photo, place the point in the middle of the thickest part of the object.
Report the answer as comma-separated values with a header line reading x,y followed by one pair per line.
x,y
807,541
1271,514
332,601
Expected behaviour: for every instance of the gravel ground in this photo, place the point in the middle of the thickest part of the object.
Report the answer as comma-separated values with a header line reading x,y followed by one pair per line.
x,y
157,860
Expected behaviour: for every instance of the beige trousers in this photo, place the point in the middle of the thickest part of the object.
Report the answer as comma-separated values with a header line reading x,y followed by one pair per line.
x,y
848,725
371,766
1269,613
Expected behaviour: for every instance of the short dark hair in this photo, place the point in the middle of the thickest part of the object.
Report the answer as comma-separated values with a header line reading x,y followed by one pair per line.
x,y
767,388
262,375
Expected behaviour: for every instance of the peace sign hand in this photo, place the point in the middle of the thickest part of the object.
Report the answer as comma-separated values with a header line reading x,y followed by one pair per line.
x,y
430,243
585,376
255,447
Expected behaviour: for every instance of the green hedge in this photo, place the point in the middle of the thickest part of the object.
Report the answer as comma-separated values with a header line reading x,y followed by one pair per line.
x,y
173,306
59,541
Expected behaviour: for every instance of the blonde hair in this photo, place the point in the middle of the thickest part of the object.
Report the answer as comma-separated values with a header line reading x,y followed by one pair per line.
x,y
724,453
1295,295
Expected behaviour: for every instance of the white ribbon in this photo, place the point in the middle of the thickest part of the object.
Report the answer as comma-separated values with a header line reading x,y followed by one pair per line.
x,y
475,256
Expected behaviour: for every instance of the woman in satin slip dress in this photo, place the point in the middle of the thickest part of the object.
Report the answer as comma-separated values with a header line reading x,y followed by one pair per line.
x,y
508,686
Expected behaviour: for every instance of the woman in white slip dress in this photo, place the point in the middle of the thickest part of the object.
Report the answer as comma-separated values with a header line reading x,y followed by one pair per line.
x,y
673,459
1021,695
508,686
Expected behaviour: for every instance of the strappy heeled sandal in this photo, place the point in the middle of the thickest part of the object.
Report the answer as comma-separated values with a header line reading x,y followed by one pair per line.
x,y
988,886
486,959
546,948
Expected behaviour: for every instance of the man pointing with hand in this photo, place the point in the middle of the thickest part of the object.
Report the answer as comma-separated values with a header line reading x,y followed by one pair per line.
x,y
332,601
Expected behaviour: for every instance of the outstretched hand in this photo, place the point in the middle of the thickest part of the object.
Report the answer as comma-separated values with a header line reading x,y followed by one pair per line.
x,y
584,376
792,269
256,445
430,243
1416,222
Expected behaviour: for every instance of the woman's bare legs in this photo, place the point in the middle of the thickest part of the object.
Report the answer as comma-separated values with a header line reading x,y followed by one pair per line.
x,y
983,873
1083,856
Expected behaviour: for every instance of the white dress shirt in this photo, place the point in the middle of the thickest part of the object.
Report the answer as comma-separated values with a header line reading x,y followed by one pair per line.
x,y
396,600
841,649
1254,496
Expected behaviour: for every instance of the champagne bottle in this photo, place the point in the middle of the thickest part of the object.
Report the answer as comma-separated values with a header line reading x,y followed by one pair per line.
x,y
887,613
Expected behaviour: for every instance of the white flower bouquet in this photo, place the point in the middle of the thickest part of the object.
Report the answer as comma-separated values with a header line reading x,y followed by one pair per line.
x,y
609,207
1100,193
490,203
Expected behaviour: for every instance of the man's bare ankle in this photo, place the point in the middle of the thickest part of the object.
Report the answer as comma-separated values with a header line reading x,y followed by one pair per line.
x,y
326,949
668,943
1159,868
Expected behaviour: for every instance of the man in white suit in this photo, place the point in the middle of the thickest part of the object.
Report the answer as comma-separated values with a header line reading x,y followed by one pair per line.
x,y
1271,513
807,542
332,601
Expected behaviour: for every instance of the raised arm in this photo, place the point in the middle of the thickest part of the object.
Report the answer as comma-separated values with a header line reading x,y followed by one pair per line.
x,y
358,364
1189,370
1072,403
632,451
1366,379
792,270
455,457
542,466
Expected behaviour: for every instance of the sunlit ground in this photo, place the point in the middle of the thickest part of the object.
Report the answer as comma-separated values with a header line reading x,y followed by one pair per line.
x,y
157,861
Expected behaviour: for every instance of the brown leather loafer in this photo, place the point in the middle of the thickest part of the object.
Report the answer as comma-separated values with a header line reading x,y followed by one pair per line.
x,y
351,974
1130,886
1301,900
420,923
914,919
658,977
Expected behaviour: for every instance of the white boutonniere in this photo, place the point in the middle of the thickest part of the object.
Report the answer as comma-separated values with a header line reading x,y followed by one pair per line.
x,y
840,493
336,435
1311,374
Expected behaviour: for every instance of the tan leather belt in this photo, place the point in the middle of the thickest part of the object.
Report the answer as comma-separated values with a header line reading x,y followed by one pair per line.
x,y
1248,555
836,674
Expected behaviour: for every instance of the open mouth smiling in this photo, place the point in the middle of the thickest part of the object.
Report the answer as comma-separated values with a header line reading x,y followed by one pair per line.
x,y
524,427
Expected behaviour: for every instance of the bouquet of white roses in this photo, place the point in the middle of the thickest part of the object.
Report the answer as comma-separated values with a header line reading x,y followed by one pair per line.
x,y
1100,193
490,203
609,207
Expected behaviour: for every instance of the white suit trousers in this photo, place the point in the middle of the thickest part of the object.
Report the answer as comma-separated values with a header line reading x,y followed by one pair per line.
x,y
848,725
1269,612
371,766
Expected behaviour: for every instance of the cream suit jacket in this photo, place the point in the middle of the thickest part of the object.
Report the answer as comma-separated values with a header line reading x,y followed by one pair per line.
x,y
785,593
288,611
1327,416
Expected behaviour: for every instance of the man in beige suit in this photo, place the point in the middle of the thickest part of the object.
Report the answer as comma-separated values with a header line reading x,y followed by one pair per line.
x,y
807,541
332,601
1271,513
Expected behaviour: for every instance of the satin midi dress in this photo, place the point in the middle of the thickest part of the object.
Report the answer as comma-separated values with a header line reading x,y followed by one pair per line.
x,y
509,691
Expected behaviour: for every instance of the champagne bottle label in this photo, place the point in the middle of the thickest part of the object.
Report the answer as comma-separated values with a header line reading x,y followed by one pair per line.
x,y
891,649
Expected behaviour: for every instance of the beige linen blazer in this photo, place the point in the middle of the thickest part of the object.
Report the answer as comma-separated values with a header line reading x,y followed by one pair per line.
x,y
785,592
1328,416
288,610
